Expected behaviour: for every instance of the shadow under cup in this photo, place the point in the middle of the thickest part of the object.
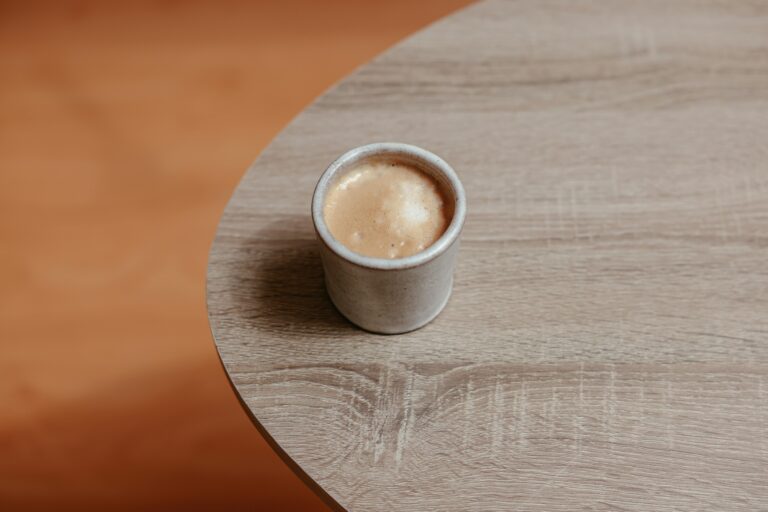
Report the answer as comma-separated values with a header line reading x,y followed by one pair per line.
x,y
391,296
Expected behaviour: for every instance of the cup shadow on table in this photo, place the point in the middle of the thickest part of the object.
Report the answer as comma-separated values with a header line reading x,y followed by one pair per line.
x,y
284,285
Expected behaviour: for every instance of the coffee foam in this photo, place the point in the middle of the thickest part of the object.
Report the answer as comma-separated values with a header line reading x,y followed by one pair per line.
x,y
386,209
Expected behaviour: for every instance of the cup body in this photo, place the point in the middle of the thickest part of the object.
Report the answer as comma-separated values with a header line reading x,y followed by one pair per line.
x,y
390,296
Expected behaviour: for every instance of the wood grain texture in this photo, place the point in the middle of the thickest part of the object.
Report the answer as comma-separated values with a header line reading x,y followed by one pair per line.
x,y
606,346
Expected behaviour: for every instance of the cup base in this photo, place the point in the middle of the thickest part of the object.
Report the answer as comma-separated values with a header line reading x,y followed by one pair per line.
x,y
398,330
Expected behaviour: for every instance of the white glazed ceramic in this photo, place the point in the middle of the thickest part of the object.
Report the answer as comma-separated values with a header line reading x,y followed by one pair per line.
x,y
390,296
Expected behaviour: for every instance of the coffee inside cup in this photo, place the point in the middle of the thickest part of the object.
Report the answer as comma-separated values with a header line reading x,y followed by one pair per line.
x,y
386,208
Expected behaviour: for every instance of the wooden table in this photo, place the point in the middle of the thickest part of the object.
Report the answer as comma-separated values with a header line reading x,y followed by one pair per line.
x,y
606,346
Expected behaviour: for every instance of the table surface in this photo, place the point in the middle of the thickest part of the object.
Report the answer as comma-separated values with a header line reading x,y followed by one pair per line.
x,y
606,345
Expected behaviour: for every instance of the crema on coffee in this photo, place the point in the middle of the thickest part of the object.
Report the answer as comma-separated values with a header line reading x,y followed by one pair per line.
x,y
386,209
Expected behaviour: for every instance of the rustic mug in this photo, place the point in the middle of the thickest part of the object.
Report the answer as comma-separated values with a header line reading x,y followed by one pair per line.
x,y
390,296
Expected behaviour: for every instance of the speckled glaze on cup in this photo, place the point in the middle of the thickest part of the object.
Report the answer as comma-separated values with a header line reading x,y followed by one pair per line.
x,y
390,296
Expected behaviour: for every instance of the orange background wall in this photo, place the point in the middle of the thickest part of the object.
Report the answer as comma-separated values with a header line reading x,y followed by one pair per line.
x,y
124,126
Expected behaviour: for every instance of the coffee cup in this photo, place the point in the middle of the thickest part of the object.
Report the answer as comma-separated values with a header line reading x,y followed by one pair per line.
x,y
388,292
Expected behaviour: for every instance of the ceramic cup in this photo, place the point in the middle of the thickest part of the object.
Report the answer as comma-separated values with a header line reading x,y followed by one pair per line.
x,y
390,296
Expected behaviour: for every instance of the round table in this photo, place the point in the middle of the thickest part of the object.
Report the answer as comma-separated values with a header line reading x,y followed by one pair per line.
x,y
606,345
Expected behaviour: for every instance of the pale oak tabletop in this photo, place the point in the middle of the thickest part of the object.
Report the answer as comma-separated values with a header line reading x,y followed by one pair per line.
x,y
606,345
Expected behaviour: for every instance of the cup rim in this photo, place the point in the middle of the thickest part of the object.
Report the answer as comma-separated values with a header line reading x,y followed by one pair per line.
x,y
385,149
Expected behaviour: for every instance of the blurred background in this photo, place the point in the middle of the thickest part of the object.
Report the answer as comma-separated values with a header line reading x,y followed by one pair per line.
x,y
124,127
